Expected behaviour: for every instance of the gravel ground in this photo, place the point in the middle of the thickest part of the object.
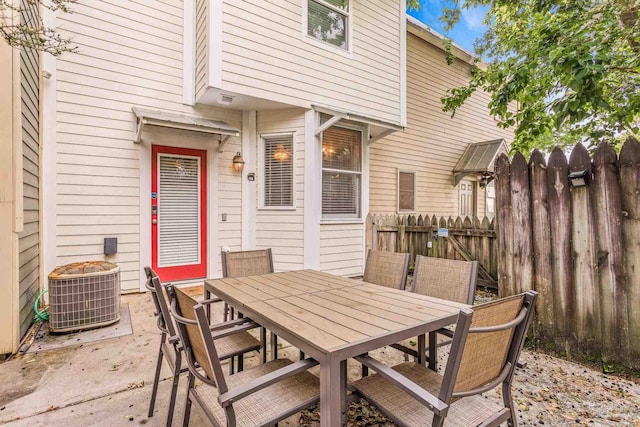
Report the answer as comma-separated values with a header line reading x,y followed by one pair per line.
x,y
547,391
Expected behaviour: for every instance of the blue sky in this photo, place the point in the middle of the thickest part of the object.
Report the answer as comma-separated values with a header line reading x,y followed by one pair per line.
x,y
465,32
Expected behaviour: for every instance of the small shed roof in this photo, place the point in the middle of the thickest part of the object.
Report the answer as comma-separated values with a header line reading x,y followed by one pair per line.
x,y
181,121
478,158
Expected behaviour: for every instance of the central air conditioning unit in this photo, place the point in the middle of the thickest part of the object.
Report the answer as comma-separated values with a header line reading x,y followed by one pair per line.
x,y
84,295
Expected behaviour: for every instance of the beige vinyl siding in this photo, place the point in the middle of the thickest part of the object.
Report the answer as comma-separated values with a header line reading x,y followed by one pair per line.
x,y
433,141
29,238
130,54
341,249
266,55
202,46
278,229
229,200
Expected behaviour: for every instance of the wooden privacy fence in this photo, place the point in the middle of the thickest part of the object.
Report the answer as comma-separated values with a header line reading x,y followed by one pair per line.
x,y
469,239
579,247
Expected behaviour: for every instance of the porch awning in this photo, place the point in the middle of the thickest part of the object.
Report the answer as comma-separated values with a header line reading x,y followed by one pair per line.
x,y
179,121
378,128
478,158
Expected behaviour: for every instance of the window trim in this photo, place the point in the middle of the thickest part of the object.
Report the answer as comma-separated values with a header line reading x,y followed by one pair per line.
x,y
262,169
339,218
405,211
348,52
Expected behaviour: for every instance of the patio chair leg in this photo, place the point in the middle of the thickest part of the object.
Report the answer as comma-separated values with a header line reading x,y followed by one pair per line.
x,y
302,355
274,346
508,402
226,311
263,339
231,365
187,408
174,388
156,378
240,362
365,369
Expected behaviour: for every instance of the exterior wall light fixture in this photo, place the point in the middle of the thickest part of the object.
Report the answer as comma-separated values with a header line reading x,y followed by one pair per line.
x,y
238,163
579,178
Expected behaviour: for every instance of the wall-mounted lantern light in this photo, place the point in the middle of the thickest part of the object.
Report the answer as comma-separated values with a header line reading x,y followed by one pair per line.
x,y
579,179
238,163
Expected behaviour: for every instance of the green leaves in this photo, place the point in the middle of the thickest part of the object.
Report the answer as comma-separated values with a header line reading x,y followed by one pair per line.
x,y
563,69
29,32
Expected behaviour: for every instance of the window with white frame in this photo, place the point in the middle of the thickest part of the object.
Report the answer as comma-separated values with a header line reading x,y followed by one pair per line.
x,y
406,191
277,171
328,21
341,173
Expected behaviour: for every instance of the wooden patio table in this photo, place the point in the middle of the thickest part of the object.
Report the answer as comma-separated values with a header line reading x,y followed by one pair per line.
x,y
333,318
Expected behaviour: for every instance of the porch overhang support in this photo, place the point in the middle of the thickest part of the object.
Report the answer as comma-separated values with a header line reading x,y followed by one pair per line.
x,y
332,121
383,128
146,117
381,135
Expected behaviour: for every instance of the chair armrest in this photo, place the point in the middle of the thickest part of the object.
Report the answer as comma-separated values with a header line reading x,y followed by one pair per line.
x,y
232,323
446,332
415,390
210,301
221,333
264,381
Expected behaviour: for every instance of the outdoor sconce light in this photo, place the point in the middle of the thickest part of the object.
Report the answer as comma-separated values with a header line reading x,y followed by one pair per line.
x,y
579,179
238,162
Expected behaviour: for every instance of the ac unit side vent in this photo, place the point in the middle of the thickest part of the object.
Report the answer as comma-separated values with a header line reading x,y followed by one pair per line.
x,y
84,296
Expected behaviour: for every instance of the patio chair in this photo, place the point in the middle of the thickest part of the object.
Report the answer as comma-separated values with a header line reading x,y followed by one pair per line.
x,y
484,352
245,263
448,279
170,348
250,263
386,269
259,396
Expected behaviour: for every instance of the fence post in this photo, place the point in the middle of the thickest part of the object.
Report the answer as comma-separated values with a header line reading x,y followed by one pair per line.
x,y
521,211
504,226
560,225
542,278
630,180
582,236
401,241
608,224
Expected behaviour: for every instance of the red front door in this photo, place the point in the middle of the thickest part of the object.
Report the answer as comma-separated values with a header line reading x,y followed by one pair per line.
x,y
179,213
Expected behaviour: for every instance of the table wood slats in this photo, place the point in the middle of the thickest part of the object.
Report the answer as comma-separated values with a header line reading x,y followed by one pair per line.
x,y
333,318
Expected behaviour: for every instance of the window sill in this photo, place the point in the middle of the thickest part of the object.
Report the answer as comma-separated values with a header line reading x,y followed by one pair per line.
x,y
327,46
328,221
277,208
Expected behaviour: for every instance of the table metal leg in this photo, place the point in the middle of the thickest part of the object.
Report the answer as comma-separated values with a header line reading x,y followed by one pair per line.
x,y
207,295
433,351
274,346
333,393
422,350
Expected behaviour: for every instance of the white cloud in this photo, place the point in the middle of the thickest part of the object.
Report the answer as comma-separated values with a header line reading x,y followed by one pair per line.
x,y
473,18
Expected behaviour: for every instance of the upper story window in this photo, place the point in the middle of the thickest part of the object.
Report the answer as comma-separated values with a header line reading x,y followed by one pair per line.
x,y
328,21
277,165
406,191
341,173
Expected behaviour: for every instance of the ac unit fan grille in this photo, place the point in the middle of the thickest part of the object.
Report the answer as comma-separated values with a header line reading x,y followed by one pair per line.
x,y
84,302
